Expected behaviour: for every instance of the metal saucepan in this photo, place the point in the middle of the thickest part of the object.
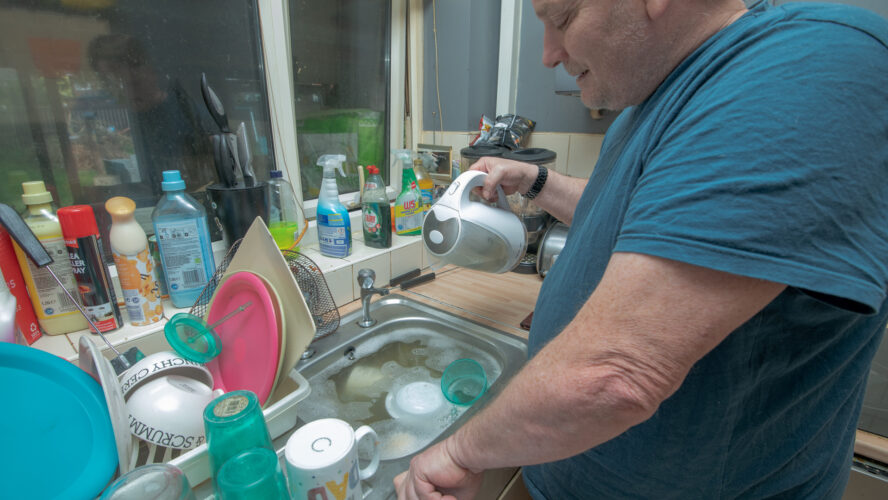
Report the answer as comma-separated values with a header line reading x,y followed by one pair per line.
x,y
550,247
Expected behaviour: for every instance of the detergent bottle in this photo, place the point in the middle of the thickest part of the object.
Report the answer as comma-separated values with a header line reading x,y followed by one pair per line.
x,y
56,314
408,204
377,214
183,237
334,226
423,179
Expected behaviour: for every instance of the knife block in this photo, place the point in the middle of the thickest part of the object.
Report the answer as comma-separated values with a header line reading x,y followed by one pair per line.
x,y
237,207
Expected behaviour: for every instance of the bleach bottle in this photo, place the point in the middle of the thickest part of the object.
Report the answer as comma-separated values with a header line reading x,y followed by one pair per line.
x,y
334,226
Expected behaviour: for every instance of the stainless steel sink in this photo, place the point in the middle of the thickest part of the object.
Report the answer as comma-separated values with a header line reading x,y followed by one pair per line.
x,y
354,373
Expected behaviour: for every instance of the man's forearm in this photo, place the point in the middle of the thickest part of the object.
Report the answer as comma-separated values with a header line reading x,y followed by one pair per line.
x,y
560,195
628,349
549,411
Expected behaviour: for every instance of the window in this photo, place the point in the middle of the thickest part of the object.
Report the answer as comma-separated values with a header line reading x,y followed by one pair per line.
x,y
340,54
98,97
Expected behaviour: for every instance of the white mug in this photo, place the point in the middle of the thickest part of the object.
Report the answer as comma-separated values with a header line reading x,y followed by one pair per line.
x,y
322,460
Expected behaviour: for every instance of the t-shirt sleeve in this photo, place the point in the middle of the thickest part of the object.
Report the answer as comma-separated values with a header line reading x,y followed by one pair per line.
x,y
778,170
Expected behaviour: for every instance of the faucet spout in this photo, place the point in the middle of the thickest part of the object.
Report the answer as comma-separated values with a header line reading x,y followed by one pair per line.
x,y
366,278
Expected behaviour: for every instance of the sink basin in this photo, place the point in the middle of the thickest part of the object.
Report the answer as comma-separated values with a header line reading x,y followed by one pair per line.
x,y
357,374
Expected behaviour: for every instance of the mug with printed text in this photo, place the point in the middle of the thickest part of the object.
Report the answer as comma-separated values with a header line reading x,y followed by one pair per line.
x,y
322,460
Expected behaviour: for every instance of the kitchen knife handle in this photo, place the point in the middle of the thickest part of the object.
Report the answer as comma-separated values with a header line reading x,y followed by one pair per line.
x,y
417,281
23,235
397,280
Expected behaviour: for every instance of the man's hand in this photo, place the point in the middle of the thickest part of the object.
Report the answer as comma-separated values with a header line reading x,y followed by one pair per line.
x,y
513,176
434,474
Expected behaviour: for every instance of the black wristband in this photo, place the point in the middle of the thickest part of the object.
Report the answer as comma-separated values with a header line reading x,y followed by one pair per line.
x,y
538,183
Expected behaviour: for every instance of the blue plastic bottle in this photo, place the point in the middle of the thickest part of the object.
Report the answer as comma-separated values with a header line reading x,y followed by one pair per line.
x,y
334,226
183,237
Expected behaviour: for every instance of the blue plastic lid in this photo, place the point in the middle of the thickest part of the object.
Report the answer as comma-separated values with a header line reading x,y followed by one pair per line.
x,y
54,414
172,181
276,174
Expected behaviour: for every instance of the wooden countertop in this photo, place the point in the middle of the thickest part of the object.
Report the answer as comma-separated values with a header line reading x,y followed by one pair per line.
x,y
502,301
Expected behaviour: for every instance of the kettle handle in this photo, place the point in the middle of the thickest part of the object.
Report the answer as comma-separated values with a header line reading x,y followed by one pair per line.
x,y
475,178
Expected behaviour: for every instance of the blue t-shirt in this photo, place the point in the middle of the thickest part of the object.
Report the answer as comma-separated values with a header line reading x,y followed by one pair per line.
x,y
764,154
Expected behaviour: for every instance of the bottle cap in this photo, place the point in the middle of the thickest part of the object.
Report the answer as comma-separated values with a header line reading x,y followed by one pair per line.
x,y
35,193
172,181
120,207
372,169
276,174
77,221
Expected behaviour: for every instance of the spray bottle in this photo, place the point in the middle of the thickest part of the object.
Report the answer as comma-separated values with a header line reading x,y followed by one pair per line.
x,y
334,226
408,205
421,166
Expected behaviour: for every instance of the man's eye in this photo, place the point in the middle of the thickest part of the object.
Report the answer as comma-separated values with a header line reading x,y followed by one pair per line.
x,y
562,23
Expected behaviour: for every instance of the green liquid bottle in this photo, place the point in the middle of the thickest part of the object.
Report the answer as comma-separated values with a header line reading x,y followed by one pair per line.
x,y
377,214
283,212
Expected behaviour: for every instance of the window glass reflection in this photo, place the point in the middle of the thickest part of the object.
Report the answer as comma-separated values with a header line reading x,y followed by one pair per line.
x,y
340,51
99,97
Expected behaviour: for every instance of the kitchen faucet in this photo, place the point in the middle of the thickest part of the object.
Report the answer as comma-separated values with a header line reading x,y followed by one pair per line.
x,y
365,281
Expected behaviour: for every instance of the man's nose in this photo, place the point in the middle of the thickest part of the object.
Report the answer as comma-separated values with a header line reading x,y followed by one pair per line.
x,y
553,49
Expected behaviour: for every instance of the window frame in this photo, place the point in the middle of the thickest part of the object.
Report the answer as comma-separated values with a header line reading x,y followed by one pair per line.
x,y
275,32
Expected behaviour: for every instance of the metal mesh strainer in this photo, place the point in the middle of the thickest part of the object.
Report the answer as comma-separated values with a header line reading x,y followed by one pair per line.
x,y
311,282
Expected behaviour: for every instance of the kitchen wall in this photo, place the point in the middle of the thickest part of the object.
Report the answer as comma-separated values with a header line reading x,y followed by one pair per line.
x,y
460,75
464,80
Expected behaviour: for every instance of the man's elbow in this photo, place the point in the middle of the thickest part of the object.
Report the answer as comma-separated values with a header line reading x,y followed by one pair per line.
x,y
632,396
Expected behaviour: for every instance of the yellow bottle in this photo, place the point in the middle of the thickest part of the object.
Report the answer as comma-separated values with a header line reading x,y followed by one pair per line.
x,y
424,182
55,311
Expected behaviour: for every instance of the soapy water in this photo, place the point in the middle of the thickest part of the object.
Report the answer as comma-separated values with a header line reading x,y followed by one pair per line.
x,y
356,391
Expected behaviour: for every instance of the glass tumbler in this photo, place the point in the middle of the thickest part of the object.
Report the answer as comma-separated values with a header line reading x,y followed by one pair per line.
x,y
150,482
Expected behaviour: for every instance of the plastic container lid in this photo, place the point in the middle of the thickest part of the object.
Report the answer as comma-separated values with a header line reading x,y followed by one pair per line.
x,y
54,415
78,221
531,155
276,174
35,193
478,151
172,181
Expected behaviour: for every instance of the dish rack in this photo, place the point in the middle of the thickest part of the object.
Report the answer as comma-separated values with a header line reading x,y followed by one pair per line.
x,y
311,282
280,416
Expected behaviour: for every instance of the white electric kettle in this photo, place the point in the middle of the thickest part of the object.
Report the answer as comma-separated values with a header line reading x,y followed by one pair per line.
x,y
473,234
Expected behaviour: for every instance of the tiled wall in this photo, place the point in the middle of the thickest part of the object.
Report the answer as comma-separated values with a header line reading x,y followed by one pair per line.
x,y
576,153
406,254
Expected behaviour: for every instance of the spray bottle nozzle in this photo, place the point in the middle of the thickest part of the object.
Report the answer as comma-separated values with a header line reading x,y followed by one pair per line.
x,y
329,162
405,155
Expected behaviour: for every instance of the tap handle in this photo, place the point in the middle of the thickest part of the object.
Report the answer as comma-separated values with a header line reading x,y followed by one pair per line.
x,y
364,275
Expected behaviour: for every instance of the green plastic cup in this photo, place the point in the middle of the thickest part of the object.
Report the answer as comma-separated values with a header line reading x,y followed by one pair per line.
x,y
463,382
252,474
234,423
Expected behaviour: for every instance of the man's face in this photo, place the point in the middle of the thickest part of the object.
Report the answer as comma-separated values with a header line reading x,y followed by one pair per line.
x,y
604,43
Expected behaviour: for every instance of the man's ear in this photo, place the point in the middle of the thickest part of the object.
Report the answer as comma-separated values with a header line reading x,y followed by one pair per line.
x,y
656,8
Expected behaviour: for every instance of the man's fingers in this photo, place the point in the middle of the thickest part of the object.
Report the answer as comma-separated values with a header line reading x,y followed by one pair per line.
x,y
399,479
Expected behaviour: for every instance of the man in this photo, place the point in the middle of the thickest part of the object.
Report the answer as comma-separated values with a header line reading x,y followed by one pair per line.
x,y
709,325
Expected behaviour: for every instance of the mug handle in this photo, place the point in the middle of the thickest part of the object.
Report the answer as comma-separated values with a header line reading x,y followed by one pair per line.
x,y
362,432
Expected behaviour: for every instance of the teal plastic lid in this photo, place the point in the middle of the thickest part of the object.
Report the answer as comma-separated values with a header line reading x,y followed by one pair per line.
x,y
172,181
190,336
54,415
